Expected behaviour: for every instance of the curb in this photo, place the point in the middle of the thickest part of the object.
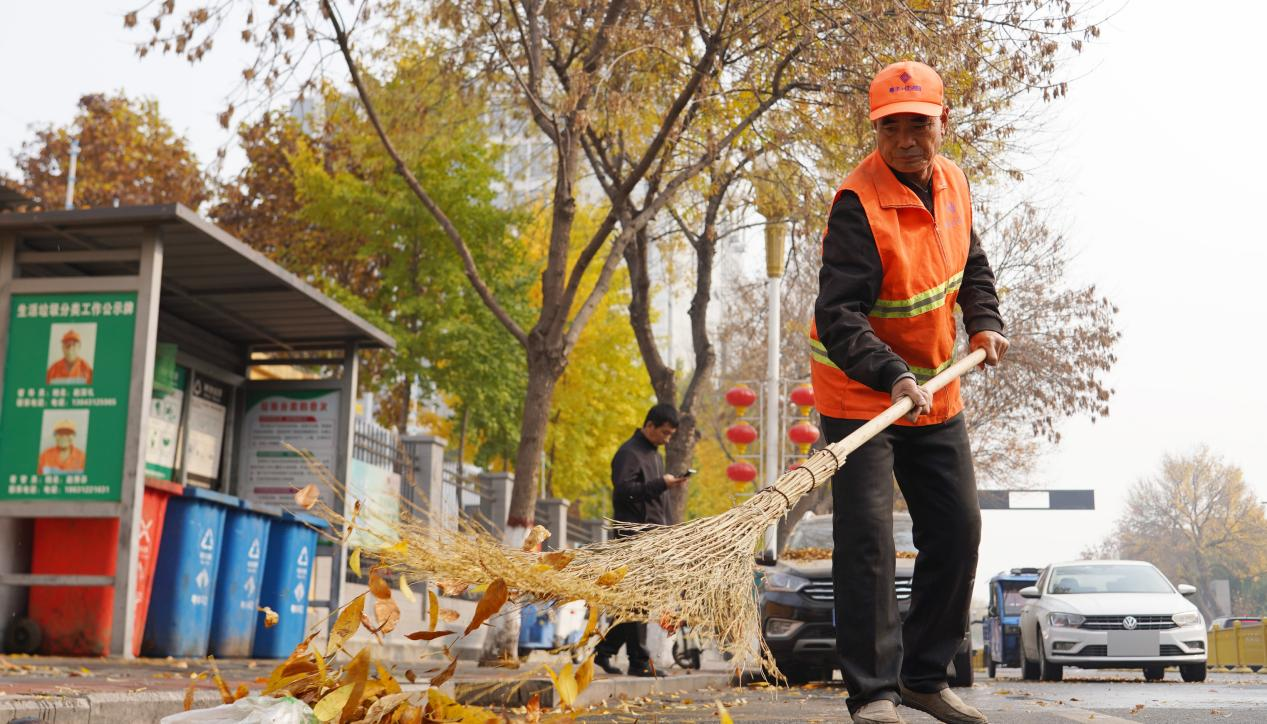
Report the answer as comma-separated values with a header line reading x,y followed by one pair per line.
x,y
500,692
141,707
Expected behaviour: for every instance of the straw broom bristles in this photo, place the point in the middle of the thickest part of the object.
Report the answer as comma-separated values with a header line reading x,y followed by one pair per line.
x,y
700,571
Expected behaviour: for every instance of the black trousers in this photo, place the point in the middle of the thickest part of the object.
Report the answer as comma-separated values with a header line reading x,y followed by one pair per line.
x,y
933,467
628,634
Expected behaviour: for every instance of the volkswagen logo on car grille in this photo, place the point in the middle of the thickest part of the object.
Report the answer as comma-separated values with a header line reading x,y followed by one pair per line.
x,y
1129,623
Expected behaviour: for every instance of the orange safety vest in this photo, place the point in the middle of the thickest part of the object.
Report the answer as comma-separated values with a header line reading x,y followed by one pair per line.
x,y
923,259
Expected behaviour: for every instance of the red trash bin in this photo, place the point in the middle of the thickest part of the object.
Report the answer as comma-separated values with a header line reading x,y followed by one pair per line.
x,y
76,620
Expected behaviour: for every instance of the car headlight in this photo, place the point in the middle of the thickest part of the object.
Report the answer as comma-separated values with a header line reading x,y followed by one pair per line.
x,y
778,581
1187,618
1066,620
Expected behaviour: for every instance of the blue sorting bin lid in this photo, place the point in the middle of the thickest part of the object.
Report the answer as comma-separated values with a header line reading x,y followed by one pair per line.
x,y
192,491
261,508
311,520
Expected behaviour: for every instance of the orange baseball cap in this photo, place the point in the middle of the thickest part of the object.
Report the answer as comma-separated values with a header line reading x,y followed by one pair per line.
x,y
906,87
64,426
71,336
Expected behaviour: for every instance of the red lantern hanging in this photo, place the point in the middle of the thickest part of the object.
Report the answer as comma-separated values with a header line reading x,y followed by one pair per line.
x,y
803,397
742,435
741,398
803,434
741,472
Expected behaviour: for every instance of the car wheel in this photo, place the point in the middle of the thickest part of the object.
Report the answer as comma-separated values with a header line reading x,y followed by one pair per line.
x,y
1192,672
1029,669
990,667
1047,671
1154,673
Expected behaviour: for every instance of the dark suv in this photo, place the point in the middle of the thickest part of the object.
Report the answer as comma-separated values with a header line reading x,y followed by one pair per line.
x,y
797,599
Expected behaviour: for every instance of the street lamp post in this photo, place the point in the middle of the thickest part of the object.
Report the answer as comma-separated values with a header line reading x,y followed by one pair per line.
x,y
774,240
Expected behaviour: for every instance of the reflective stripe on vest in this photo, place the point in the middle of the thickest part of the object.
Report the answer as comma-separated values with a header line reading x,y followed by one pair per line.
x,y
925,301
818,353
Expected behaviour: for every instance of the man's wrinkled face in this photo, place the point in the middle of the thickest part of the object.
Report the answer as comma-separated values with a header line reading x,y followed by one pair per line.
x,y
658,435
70,350
908,142
64,439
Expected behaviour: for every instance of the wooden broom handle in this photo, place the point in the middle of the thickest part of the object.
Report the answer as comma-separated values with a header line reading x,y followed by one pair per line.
x,y
855,440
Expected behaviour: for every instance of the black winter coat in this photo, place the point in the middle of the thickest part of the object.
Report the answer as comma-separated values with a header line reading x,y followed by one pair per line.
x,y
638,482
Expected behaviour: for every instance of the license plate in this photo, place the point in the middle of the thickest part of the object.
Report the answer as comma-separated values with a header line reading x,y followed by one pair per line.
x,y
1134,643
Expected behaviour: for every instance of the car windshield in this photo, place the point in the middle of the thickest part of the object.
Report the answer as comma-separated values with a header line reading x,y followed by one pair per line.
x,y
1012,600
1108,578
811,534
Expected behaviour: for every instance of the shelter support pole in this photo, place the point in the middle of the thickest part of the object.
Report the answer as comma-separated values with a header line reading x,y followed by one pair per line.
x,y
148,290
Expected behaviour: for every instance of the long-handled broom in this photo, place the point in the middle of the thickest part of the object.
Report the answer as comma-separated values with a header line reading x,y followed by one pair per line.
x,y
700,571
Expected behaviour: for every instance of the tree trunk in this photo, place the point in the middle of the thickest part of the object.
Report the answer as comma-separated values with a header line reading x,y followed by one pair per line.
x,y
501,641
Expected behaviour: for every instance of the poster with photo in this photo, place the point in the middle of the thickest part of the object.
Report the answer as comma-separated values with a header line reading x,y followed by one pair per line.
x,y
64,409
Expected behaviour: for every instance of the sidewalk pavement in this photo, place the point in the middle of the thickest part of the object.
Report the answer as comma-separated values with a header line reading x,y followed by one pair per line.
x,y
97,690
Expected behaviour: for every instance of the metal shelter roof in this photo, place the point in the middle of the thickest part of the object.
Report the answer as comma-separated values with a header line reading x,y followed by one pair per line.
x,y
210,279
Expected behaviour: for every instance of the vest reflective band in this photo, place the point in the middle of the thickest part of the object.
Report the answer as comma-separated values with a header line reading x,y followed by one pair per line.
x,y
923,257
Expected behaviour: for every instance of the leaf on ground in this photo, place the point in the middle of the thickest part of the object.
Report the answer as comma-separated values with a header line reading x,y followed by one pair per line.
x,y
406,591
613,577
723,715
241,692
387,613
390,685
433,609
354,562
331,706
558,560
355,674
225,694
428,635
307,496
410,714
445,675
490,603
347,623
270,616
535,537
378,586
584,674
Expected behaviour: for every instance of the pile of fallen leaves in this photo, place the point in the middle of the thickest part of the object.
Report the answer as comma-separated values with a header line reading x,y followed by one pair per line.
x,y
807,554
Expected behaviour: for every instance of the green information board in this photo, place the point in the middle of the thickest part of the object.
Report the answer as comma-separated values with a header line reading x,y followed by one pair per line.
x,y
67,374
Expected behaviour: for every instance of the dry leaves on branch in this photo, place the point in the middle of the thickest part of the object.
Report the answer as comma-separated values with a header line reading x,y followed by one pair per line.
x,y
613,577
307,496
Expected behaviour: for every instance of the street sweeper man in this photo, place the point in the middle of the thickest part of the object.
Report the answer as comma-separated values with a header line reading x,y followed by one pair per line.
x,y
899,253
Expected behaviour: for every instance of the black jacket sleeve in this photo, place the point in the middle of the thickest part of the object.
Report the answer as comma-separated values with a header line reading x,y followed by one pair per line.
x,y
978,298
628,479
848,285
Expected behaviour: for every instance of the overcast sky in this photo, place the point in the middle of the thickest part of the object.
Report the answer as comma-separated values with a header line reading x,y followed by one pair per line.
x,y
1153,183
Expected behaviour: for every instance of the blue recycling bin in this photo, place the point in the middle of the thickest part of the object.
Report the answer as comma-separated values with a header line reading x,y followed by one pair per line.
x,y
292,550
179,619
235,607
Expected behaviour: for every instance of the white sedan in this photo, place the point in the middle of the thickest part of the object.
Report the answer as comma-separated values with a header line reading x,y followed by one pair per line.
x,y
1110,615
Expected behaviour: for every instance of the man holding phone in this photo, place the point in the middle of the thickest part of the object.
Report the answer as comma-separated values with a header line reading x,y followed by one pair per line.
x,y
638,486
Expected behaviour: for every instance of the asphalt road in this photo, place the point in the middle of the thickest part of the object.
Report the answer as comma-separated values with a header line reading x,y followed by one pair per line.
x,y
1095,696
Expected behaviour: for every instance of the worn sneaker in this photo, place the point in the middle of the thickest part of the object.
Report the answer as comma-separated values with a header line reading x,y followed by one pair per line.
x,y
880,711
944,706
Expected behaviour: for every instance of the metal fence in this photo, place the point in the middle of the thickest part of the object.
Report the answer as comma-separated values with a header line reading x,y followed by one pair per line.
x,y
374,444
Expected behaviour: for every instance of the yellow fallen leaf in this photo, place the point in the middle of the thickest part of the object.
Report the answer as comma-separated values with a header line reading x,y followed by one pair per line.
x,y
331,706
613,577
307,496
558,560
355,673
433,609
564,684
406,591
378,586
591,624
584,674
354,561
347,623
490,603
270,616
387,613
535,537
723,715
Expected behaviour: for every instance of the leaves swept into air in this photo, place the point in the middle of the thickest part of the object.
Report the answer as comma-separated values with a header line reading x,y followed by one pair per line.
x,y
307,496
535,537
445,675
490,603
347,623
428,635
270,616
613,577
